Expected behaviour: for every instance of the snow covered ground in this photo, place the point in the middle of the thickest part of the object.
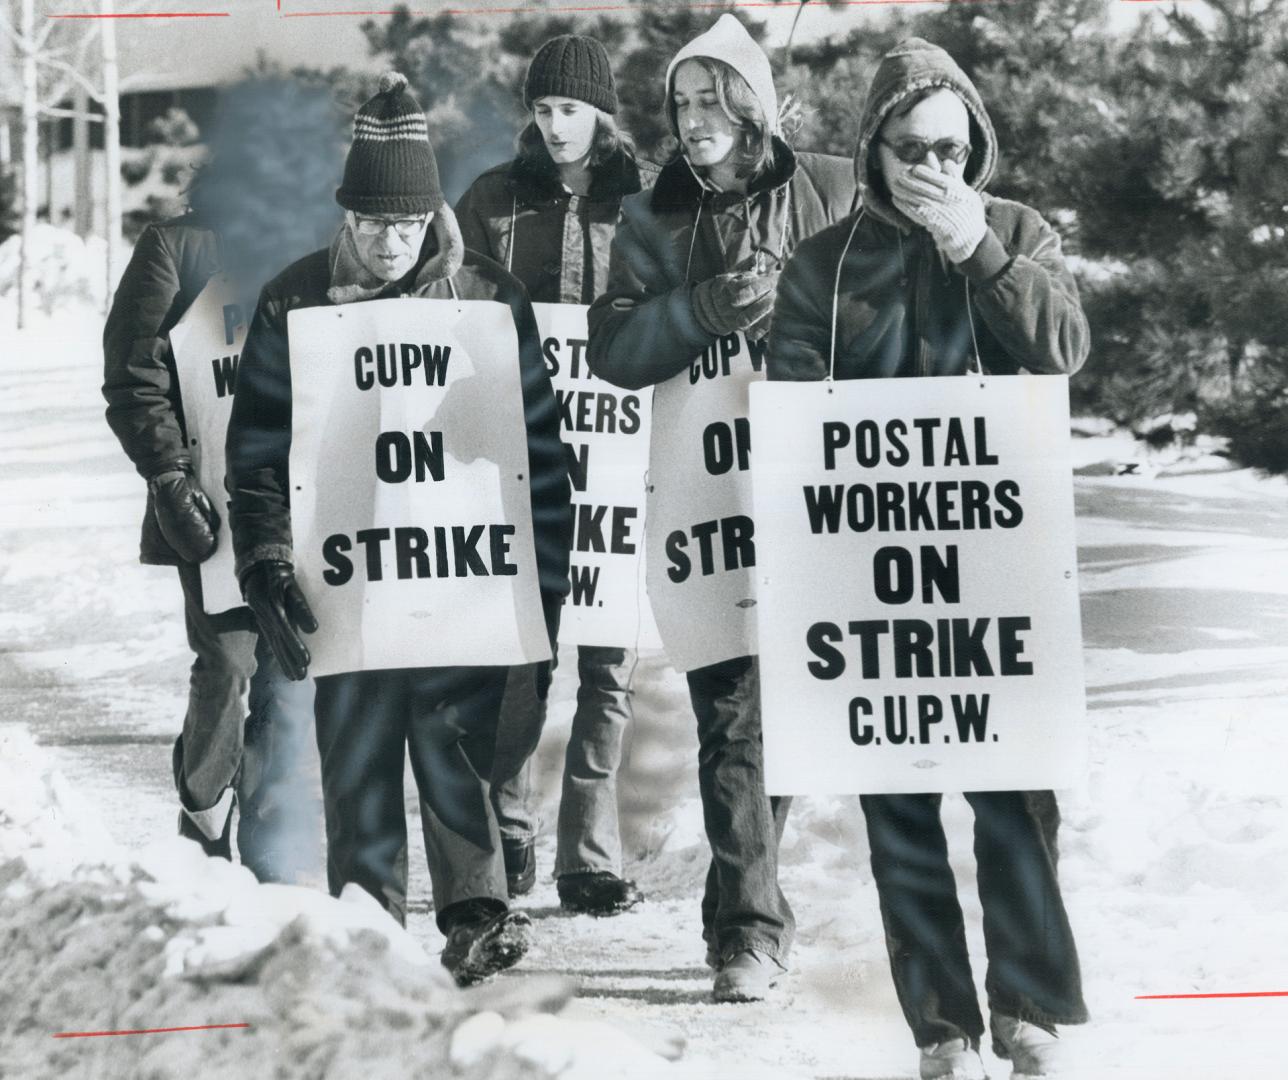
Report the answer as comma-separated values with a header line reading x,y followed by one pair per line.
x,y
1174,853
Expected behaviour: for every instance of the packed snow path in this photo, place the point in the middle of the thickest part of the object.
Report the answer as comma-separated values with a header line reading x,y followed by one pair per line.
x,y
1174,855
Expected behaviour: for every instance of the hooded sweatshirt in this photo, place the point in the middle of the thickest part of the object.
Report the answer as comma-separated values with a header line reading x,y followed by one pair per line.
x,y
643,329
899,308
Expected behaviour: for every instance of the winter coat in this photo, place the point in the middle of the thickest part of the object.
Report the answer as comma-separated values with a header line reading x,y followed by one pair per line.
x,y
171,264
875,288
259,435
553,241
643,329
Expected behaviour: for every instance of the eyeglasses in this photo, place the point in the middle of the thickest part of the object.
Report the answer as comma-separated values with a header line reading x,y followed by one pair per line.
x,y
913,151
374,226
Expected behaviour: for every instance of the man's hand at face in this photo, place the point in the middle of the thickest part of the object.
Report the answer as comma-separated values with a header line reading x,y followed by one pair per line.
x,y
945,206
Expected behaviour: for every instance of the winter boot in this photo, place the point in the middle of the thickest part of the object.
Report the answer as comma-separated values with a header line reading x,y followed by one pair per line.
x,y
953,1059
597,893
520,866
1033,1050
746,976
482,941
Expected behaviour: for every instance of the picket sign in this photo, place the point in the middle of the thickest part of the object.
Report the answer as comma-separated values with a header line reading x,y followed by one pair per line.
x,y
410,507
918,588
700,530
607,432
207,343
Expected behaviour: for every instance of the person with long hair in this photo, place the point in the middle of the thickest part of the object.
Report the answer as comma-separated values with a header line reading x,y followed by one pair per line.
x,y
696,259
549,216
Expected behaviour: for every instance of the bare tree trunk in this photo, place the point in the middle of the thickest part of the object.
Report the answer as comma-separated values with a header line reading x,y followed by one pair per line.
x,y
112,152
30,174
84,199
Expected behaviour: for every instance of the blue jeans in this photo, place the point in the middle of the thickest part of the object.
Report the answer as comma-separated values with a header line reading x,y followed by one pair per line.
x,y
279,833
250,727
742,907
588,834
1033,968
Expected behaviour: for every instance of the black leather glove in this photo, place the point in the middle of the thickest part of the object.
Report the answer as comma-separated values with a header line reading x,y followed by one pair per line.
x,y
727,303
281,611
187,518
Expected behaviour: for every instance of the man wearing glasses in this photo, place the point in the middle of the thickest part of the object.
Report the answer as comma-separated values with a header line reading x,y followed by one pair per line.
x,y
933,277
399,239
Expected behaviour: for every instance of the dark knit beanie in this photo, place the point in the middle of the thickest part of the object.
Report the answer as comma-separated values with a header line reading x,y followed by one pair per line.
x,y
390,168
571,66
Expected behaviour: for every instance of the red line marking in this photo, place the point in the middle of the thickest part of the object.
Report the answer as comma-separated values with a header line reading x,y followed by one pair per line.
x,y
145,1031
570,9
1195,997
148,16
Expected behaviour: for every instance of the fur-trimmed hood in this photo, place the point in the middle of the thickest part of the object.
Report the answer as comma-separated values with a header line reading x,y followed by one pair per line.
x,y
913,65
533,178
441,256
679,187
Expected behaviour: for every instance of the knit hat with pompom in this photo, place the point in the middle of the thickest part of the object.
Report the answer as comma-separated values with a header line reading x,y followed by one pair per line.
x,y
390,168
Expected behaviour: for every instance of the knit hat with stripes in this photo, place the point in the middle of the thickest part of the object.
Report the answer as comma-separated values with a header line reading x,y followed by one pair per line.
x,y
390,168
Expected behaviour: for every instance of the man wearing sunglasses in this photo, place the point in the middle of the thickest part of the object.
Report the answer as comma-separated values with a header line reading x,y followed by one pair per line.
x,y
931,276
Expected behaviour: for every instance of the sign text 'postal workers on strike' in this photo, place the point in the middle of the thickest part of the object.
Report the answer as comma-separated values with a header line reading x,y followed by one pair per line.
x,y
918,599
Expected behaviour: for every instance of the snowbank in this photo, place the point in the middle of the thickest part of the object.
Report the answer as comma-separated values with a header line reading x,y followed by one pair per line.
x,y
94,940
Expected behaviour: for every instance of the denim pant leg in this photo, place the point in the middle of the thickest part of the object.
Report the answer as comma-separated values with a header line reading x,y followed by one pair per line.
x,y
452,738
1033,970
362,729
279,834
744,907
924,929
209,751
589,836
523,716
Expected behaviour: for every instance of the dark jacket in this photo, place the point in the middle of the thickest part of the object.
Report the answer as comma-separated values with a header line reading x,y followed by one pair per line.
x,y
900,308
643,329
259,435
556,243
171,264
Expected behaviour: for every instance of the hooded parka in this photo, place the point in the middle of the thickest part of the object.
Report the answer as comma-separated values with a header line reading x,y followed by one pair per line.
x,y
900,308
876,285
643,329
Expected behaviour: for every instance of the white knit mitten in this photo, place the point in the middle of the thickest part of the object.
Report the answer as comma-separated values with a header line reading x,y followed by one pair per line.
x,y
955,222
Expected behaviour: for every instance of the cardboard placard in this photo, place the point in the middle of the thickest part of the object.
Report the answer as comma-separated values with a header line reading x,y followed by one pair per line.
x,y
207,343
920,628
700,528
410,506
607,432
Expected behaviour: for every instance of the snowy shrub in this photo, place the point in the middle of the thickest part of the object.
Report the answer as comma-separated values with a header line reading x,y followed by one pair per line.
x,y
65,269
1254,416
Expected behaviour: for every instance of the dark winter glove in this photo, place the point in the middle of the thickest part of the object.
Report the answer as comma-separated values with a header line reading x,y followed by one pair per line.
x,y
281,611
187,519
728,303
